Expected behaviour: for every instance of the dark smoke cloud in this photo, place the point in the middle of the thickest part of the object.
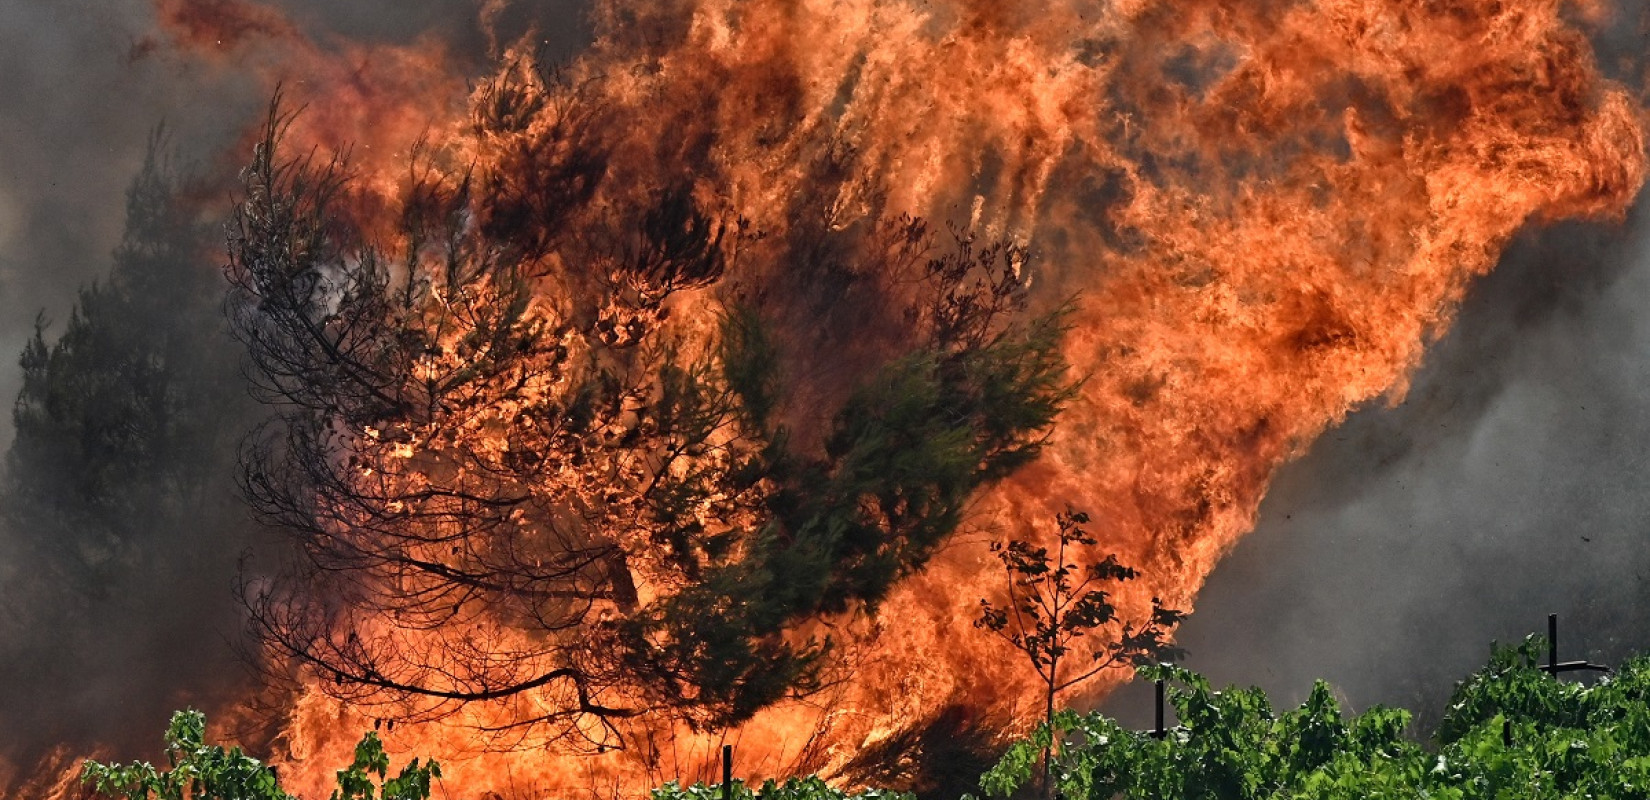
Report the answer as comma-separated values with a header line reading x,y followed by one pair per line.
x,y
74,122
84,668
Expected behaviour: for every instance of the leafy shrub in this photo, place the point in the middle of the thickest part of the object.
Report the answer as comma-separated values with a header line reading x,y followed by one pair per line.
x,y
1511,731
809,788
201,771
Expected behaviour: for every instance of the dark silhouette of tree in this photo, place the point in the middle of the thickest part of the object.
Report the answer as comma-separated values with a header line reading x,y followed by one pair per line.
x,y
1054,601
522,486
120,513
115,413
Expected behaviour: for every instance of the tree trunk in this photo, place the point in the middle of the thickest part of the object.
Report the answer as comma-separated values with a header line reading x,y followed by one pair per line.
x,y
1048,752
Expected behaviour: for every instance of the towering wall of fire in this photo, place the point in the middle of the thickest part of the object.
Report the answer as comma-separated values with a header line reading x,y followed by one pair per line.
x,y
1264,212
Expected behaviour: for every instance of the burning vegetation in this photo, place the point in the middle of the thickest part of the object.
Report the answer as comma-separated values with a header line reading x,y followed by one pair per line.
x,y
537,448
676,393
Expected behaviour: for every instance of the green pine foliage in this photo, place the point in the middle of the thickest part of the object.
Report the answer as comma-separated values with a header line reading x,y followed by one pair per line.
x,y
125,420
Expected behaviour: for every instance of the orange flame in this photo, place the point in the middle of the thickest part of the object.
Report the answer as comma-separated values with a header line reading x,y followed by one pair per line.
x,y
375,101
1267,211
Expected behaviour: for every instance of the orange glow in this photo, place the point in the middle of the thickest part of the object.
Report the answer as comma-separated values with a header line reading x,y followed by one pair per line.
x,y
375,101
1266,212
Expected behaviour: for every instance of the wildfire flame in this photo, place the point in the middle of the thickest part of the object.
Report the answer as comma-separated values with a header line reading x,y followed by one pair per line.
x,y
1266,211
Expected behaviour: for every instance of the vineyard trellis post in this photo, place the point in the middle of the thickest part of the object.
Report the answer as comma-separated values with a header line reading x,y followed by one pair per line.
x,y
1159,731
1554,667
727,772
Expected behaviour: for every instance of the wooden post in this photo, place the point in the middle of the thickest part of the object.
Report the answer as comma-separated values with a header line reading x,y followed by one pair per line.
x,y
1159,731
727,772
1552,643
1554,666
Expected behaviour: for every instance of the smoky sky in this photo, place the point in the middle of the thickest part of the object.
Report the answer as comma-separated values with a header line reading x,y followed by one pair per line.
x,y
74,121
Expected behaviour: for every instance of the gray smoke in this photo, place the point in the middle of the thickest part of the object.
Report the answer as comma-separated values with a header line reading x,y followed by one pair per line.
x,y
1513,482
83,92
87,654
112,616
74,123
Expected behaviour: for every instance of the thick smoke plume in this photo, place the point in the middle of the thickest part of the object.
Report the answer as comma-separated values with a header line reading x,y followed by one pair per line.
x,y
105,626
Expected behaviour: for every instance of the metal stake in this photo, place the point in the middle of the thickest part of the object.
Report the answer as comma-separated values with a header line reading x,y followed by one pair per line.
x,y
1552,643
1160,731
727,772
1554,666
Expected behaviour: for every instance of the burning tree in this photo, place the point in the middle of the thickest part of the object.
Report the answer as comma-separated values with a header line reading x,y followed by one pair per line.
x,y
533,439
